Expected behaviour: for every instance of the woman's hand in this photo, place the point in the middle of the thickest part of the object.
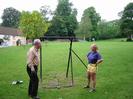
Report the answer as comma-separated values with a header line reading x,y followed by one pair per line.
x,y
99,61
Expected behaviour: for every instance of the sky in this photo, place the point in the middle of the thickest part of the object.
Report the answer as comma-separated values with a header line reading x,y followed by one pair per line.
x,y
108,9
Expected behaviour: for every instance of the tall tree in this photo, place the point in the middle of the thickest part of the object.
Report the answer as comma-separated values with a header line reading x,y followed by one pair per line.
x,y
127,21
33,24
95,18
10,17
63,8
89,22
64,21
85,27
57,28
71,22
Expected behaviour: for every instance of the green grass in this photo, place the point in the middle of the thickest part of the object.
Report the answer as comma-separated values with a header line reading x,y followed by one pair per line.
x,y
114,76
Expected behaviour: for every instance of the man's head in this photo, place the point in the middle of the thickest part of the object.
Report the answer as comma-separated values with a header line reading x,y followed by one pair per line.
x,y
37,43
94,47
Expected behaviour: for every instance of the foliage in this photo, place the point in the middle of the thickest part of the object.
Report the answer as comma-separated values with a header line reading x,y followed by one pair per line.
x,y
11,17
89,22
64,21
46,12
126,26
107,30
33,25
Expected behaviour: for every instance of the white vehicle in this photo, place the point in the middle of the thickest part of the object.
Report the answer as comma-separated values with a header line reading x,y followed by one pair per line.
x,y
5,44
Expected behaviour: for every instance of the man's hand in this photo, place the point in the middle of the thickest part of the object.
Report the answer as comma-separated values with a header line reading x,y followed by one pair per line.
x,y
32,69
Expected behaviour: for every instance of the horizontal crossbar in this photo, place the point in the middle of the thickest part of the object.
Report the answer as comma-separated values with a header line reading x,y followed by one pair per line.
x,y
58,37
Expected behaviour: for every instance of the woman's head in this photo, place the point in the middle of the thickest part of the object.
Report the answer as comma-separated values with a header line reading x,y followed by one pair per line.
x,y
94,47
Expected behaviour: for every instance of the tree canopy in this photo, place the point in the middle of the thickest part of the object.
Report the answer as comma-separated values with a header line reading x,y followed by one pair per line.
x,y
46,12
127,21
89,22
33,24
108,29
64,21
10,17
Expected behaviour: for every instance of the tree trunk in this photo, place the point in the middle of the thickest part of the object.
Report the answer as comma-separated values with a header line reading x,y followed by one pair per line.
x,y
84,37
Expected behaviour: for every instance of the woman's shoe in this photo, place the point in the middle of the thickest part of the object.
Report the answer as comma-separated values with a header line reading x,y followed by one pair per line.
x,y
92,90
87,86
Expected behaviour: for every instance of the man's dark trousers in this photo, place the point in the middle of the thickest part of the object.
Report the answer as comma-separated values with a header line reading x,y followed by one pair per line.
x,y
33,84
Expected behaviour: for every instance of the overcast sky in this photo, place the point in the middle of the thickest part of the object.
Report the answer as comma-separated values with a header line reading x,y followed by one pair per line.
x,y
108,9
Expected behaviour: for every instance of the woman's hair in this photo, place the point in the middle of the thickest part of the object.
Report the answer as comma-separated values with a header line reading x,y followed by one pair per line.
x,y
94,46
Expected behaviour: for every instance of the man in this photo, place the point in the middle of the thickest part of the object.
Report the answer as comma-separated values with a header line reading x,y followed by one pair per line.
x,y
32,67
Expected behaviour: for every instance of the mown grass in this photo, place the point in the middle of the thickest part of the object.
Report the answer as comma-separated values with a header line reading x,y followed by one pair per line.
x,y
114,76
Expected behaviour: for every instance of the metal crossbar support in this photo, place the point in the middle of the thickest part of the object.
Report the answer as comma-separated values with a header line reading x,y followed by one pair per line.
x,y
59,37
72,70
69,57
41,64
79,59
70,61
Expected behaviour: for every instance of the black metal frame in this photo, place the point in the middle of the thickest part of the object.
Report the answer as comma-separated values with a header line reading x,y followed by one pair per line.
x,y
70,61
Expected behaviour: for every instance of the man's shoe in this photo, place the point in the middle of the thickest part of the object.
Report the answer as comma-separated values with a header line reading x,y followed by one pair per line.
x,y
36,97
30,96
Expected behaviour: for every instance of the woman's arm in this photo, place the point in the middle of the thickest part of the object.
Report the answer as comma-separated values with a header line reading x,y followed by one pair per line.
x,y
99,61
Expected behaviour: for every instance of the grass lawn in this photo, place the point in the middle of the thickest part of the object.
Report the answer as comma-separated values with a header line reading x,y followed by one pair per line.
x,y
114,76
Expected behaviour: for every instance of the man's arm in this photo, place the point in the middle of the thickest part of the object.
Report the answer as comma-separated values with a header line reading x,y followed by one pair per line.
x,y
30,60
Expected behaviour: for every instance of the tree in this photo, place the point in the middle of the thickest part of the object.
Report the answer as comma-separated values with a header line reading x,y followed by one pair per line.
x,y
84,27
33,25
120,13
64,21
46,12
58,27
63,8
107,30
89,22
10,17
71,22
126,26
95,18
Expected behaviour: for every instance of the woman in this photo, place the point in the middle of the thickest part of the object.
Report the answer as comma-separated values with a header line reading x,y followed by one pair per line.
x,y
94,58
